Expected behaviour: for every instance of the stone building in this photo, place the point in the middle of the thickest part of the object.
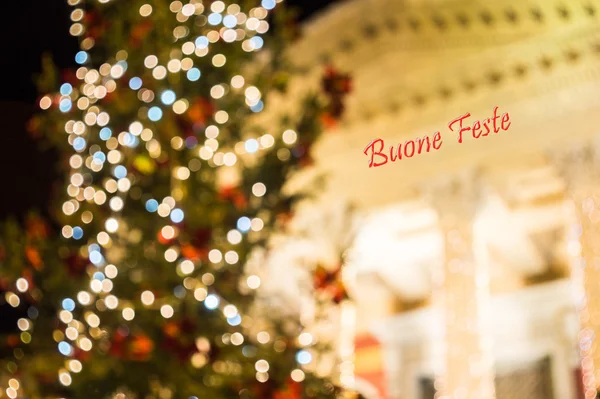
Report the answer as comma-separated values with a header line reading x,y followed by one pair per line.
x,y
469,268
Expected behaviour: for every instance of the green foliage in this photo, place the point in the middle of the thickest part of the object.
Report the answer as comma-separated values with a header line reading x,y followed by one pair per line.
x,y
193,353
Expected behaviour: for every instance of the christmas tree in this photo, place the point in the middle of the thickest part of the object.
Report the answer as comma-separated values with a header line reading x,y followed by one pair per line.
x,y
172,190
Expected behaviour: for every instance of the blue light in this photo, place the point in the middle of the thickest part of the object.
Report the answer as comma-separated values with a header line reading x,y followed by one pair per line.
x,y
258,106
230,21
243,224
235,320
215,18
79,144
303,357
77,232
120,171
93,247
127,139
168,97
123,64
249,351
152,205
130,140
135,83
154,114
211,302
65,105
193,74
99,155
251,146
177,215
268,4
257,42
99,276
81,57
105,133
180,291
66,89
65,348
96,258
68,304
32,313
202,42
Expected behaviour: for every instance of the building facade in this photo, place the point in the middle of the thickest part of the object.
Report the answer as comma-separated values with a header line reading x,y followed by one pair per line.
x,y
474,269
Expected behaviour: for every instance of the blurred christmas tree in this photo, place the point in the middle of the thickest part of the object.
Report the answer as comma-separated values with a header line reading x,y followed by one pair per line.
x,y
172,190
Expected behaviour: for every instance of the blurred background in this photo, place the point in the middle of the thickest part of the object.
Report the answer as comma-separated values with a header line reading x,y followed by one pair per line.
x,y
474,269
30,30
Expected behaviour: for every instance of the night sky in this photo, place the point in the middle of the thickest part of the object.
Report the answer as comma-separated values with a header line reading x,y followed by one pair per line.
x,y
29,29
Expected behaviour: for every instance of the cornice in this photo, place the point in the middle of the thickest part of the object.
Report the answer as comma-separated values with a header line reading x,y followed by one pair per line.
x,y
429,25
436,66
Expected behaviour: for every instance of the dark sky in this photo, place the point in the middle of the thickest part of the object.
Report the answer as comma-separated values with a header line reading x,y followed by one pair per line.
x,y
28,29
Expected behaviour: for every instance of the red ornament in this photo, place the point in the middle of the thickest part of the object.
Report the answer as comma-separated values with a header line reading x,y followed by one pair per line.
x,y
200,111
328,120
33,257
322,278
95,25
136,347
293,390
178,338
117,344
234,195
34,127
76,265
334,82
140,32
336,87
331,283
81,355
283,218
338,292
140,348
192,253
13,341
70,76
198,246
36,228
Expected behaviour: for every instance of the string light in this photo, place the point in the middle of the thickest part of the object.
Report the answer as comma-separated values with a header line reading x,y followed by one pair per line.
x,y
106,165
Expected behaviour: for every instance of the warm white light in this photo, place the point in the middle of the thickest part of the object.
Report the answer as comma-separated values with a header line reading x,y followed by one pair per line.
x,y
215,256
234,236
305,339
111,225
262,366
111,271
187,267
297,375
230,311
253,282
259,189
263,337
128,314
147,298
167,311
22,285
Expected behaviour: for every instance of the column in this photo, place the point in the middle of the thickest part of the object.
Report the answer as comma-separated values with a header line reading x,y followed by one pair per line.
x,y
580,167
461,292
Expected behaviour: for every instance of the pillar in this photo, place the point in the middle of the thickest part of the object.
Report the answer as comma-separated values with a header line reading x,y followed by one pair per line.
x,y
580,167
461,292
